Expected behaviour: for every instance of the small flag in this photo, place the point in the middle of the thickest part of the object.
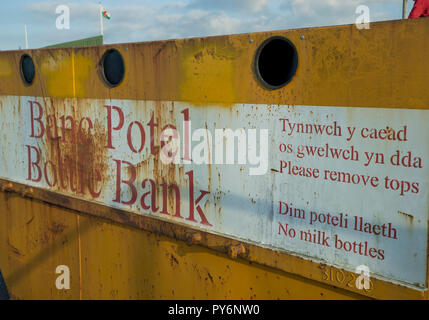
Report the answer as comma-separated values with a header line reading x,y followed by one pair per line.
x,y
106,14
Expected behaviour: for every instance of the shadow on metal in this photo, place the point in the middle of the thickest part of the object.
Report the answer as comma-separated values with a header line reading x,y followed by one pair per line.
x,y
4,295
52,249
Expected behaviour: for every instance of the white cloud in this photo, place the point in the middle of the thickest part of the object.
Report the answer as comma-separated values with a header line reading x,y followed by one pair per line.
x,y
223,24
189,18
252,6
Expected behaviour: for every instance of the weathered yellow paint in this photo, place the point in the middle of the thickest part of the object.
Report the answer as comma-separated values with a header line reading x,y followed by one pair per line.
x,y
34,239
212,62
385,66
5,68
66,74
120,262
106,257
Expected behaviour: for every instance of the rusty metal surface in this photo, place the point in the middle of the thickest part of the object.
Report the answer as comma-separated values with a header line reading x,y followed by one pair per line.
x,y
218,69
138,264
180,236
212,78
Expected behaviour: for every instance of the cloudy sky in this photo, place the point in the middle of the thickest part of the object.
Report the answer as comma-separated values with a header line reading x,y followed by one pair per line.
x,y
143,20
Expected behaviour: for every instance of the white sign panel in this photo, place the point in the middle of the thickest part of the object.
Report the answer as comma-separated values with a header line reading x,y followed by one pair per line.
x,y
344,186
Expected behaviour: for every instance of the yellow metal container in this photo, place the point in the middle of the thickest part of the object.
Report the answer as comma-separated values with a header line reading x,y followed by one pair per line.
x,y
114,253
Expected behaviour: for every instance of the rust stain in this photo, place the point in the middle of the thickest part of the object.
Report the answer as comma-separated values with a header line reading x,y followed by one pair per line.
x,y
14,249
29,221
173,260
407,215
75,152
57,228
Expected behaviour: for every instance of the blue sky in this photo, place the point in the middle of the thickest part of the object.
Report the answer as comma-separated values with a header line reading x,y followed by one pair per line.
x,y
144,20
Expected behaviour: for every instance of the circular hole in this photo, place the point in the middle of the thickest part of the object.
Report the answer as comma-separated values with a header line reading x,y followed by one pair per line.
x,y
113,68
276,62
27,69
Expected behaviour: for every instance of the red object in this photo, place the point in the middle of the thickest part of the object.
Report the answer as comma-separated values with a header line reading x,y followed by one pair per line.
x,y
420,9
